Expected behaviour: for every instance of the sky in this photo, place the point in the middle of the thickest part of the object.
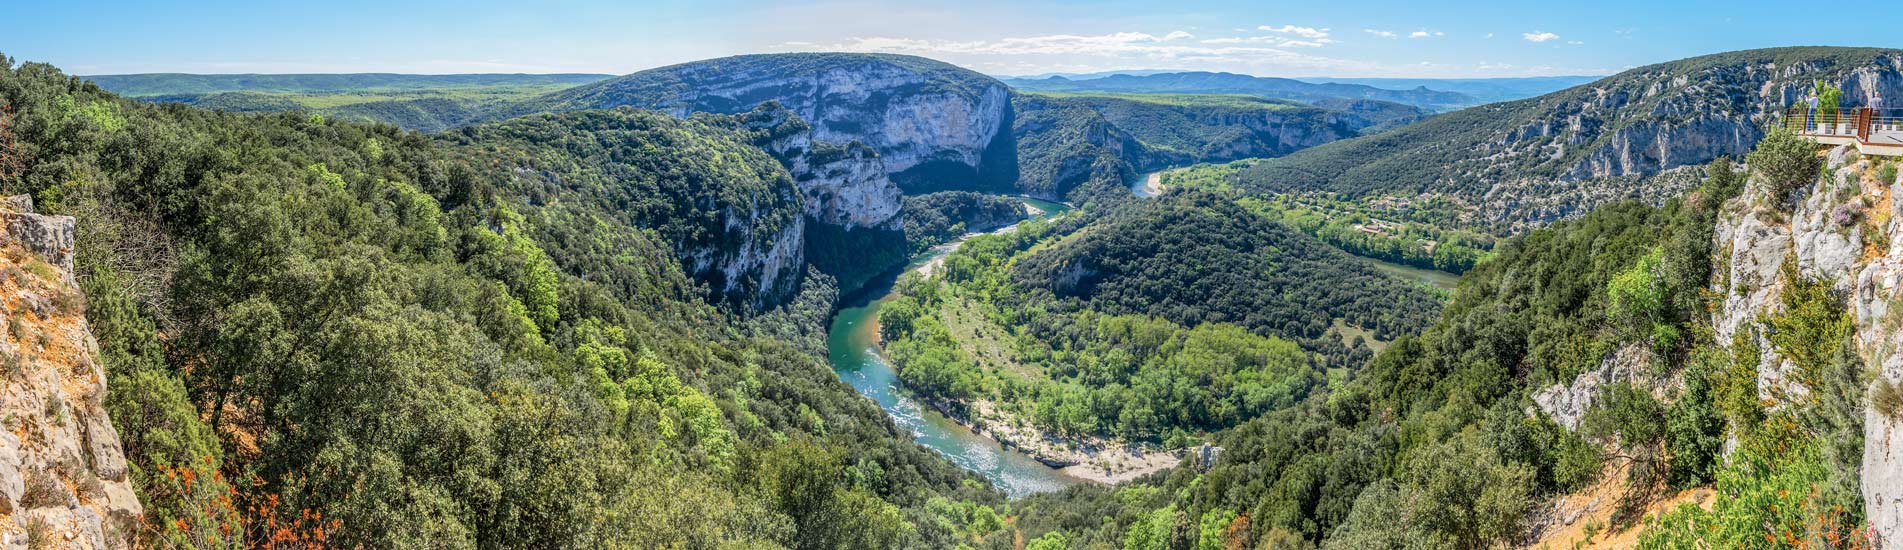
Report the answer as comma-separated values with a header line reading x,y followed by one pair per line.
x,y
1333,38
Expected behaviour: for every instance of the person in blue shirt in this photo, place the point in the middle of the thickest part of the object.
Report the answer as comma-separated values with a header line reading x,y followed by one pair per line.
x,y
1810,116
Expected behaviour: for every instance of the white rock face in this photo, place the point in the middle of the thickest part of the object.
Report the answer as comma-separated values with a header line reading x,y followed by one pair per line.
x,y
917,128
910,110
846,186
66,481
1567,403
769,266
1753,243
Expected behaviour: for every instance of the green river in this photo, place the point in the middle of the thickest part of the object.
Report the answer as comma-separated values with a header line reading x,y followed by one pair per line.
x,y
853,346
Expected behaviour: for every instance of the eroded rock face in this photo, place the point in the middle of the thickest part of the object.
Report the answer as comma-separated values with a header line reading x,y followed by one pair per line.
x,y
63,475
919,115
1754,242
844,185
1568,403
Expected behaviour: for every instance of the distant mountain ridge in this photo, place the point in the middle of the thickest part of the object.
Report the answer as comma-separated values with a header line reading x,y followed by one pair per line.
x,y
1488,90
1524,163
149,84
1231,83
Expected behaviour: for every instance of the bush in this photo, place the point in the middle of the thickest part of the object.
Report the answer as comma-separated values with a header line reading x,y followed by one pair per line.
x,y
1785,161
1887,399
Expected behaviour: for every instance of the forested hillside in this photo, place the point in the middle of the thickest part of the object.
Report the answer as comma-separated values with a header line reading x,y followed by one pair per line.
x,y
1594,358
347,334
1520,164
1095,141
1105,340
1429,444
424,103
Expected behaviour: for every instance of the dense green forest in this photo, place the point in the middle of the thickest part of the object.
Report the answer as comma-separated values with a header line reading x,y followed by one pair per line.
x,y
1197,257
1430,445
321,330
591,179
935,218
1161,320
1413,236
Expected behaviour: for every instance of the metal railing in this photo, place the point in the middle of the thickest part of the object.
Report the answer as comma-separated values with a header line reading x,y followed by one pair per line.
x,y
1861,123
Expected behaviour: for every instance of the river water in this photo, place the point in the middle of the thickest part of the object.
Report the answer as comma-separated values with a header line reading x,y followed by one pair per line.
x,y
853,346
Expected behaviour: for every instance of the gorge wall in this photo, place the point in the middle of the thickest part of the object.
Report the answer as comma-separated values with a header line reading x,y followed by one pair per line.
x,y
1844,229
63,475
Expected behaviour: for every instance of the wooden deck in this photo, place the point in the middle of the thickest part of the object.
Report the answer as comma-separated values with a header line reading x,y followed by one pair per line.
x,y
1872,132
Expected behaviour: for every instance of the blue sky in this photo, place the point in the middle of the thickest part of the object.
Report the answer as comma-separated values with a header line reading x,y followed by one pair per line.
x,y
1314,38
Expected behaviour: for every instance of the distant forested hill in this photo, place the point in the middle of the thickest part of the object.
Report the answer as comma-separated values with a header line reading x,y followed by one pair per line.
x,y
1520,164
147,84
1230,83
1068,140
1485,90
425,103
935,125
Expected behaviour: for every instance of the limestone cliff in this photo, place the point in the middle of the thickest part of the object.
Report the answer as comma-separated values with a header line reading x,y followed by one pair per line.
x,y
844,185
1522,164
934,125
1843,229
63,475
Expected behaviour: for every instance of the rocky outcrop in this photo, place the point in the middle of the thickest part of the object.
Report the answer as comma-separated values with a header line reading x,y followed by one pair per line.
x,y
934,125
1824,234
765,268
63,475
843,185
1523,164
1567,403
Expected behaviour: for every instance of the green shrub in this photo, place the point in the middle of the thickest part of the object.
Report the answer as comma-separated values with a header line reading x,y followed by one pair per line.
x,y
1785,161
1887,398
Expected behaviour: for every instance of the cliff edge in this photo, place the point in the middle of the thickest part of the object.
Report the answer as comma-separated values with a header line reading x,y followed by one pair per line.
x,y
62,468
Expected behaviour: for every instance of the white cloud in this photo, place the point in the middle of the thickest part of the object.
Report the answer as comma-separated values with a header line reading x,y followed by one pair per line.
x,y
1426,34
1576,42
1539,36
1178,35
1383,34
1489,36
1304,32
1274,41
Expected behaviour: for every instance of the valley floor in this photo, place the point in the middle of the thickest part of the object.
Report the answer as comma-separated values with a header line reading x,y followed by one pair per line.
x,y
1088,458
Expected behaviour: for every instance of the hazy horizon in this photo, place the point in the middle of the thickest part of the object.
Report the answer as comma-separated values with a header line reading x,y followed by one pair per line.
x,y
1478,39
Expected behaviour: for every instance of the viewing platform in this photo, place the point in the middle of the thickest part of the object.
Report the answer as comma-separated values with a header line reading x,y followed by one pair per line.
x,y
1873,132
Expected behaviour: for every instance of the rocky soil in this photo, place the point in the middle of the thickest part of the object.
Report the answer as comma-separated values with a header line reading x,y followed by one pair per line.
x,y
63,476
1754,240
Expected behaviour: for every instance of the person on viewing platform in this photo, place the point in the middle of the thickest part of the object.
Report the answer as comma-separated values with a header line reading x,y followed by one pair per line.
x,y
1810,116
